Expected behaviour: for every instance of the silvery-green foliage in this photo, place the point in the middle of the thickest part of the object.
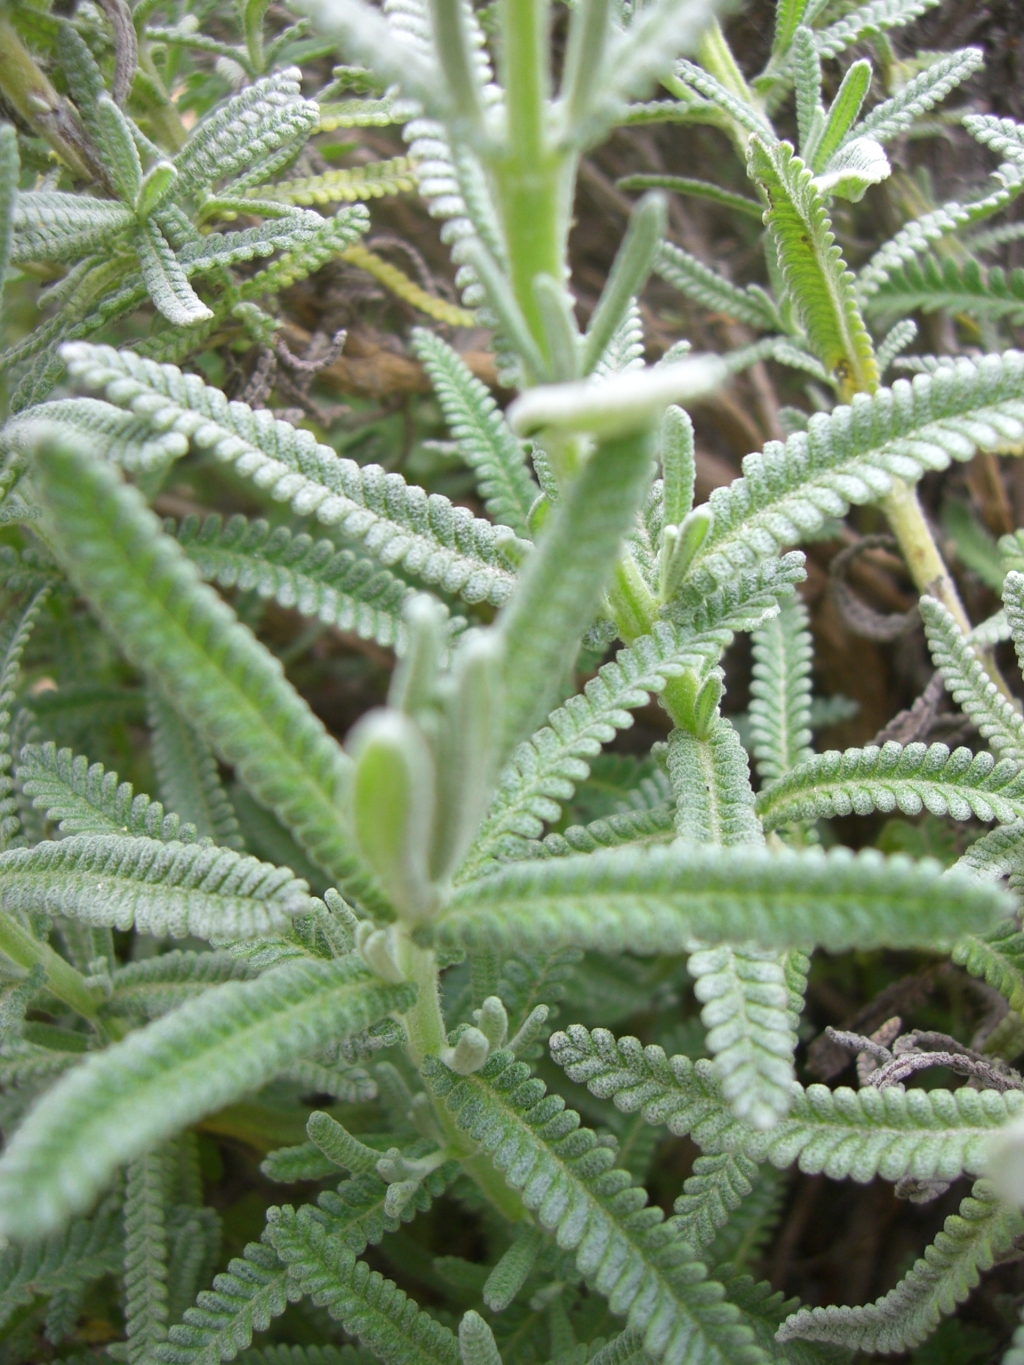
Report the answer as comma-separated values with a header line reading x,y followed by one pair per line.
x,y
479,861
969,1243
157,207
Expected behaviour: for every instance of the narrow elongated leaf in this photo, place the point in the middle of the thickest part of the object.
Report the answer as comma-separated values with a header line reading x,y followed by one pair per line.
x,y
146,1254
932,283
918,777
121,1101
995,716
369,1307
780,709
86,1250
398,524
928,88
656,900
816,275
82,798
161,887
484,438
971,1241
698,281
561,585
186,770
625,1250
166,282
189,642
314,577
842,1133
545,769
50,225
853,454
244,1299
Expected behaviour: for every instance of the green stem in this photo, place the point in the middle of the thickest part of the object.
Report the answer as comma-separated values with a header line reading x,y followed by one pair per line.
x,y
715,56
427,1035
926,565
31,94
533,181
61,978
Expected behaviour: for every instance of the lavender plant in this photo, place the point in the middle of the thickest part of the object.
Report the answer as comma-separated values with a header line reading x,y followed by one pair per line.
x,y
417,991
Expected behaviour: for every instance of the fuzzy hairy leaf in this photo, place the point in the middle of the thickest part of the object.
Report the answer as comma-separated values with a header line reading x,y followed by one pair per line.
x,y
160,887
86,1250
653,825
780,709
845,1134
397,523
358,1212
192,646
750,1030
244,1299
934,283
712,1194
698,281
82,798
371,181
711,786
868,19
166,282
50,225
560,588
971,1241
156,985
1013,600
655,900
268,115
749,1228
742,988
927,89
970,686
127,440
485,440
15,631
146,1254
186,770
853,454
314,577
156,1081
911,779
816,275
997,958
369,1307
916,236
10,167
545,770
623,1248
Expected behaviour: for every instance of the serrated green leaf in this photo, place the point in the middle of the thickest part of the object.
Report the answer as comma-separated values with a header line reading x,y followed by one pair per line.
x,y
224,1045
816,275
